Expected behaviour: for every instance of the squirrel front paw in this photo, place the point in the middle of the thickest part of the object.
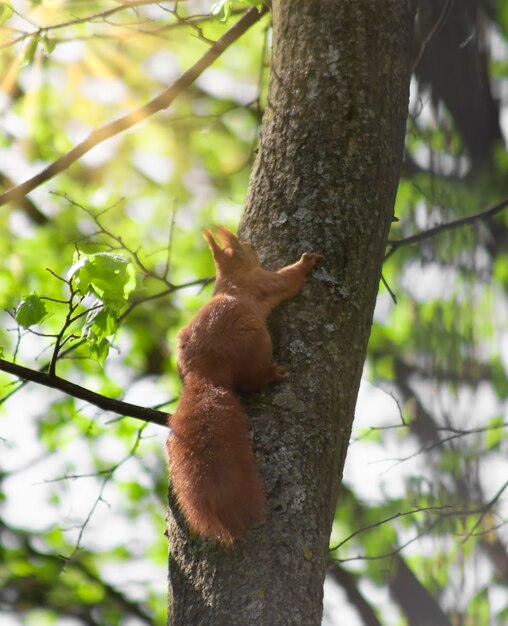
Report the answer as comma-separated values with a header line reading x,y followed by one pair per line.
x,y
279,372
309,259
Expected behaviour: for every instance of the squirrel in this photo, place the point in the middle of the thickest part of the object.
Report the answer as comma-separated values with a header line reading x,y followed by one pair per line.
x,y
224,351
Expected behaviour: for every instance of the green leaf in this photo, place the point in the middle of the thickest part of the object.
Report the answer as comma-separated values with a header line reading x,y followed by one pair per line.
x,y
100,325
77,263
502,616
494,436
99,351
221,10
254,3
30,49
30,311
48,43
499,378
110,277
134,490
479,608
450,461
5,12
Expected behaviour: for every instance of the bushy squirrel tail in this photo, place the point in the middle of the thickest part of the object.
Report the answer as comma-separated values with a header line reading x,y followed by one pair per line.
x,y
212,466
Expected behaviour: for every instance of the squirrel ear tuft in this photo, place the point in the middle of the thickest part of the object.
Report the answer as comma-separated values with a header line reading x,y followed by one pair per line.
x,y
228,238
214,247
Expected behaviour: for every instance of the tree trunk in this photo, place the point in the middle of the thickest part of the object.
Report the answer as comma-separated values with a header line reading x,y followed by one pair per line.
x,y
324,181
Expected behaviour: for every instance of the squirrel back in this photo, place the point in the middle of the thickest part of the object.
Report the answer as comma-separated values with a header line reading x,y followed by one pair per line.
x,y
225,350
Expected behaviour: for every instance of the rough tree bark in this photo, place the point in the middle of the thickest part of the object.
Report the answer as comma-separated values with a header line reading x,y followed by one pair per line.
x,y
325,180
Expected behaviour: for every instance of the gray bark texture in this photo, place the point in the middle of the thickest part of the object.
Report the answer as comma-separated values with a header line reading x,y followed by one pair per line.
x,y
324,181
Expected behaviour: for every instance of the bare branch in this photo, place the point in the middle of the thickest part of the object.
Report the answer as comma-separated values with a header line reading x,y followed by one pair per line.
x,y
395,244
60,337
456,433
100,498
487,508
420,534
30,209
162,101
349,583
76,391
389,519
387,287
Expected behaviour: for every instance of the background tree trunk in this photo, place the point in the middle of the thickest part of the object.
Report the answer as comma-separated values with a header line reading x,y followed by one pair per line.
x,y
325,180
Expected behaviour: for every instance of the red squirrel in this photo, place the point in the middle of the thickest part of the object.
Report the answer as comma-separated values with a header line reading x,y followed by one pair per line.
x,y
224,351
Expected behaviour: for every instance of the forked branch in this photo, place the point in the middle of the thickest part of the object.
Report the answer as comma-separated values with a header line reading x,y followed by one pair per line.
x,y
162,101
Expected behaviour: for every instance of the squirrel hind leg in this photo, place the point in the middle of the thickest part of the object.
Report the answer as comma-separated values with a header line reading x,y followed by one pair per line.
x,y
275,373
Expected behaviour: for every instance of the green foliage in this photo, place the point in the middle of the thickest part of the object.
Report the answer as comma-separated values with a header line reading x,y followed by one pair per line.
x,y
6,12
30,311
100,326
30,49
49,44
222,8
495,432
109,277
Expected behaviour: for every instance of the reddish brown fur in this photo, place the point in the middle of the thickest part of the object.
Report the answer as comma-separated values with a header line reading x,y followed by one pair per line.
x,y
226,349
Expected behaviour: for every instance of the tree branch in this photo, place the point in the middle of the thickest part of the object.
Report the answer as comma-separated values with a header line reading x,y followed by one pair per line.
x,y
133,4
487,508
349,583
445,14
162,101
31,211
76,391
417,603
389,519
395,244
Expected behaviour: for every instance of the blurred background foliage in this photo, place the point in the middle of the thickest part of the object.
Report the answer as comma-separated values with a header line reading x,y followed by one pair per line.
x,y
420,533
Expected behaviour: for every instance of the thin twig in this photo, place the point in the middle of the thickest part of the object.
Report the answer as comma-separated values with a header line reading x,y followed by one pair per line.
x,y
39,30
162,101
387,286
395,244
68,321
401,547
388,519
116,238
433,32
105,480
172,218
487,508
456,434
